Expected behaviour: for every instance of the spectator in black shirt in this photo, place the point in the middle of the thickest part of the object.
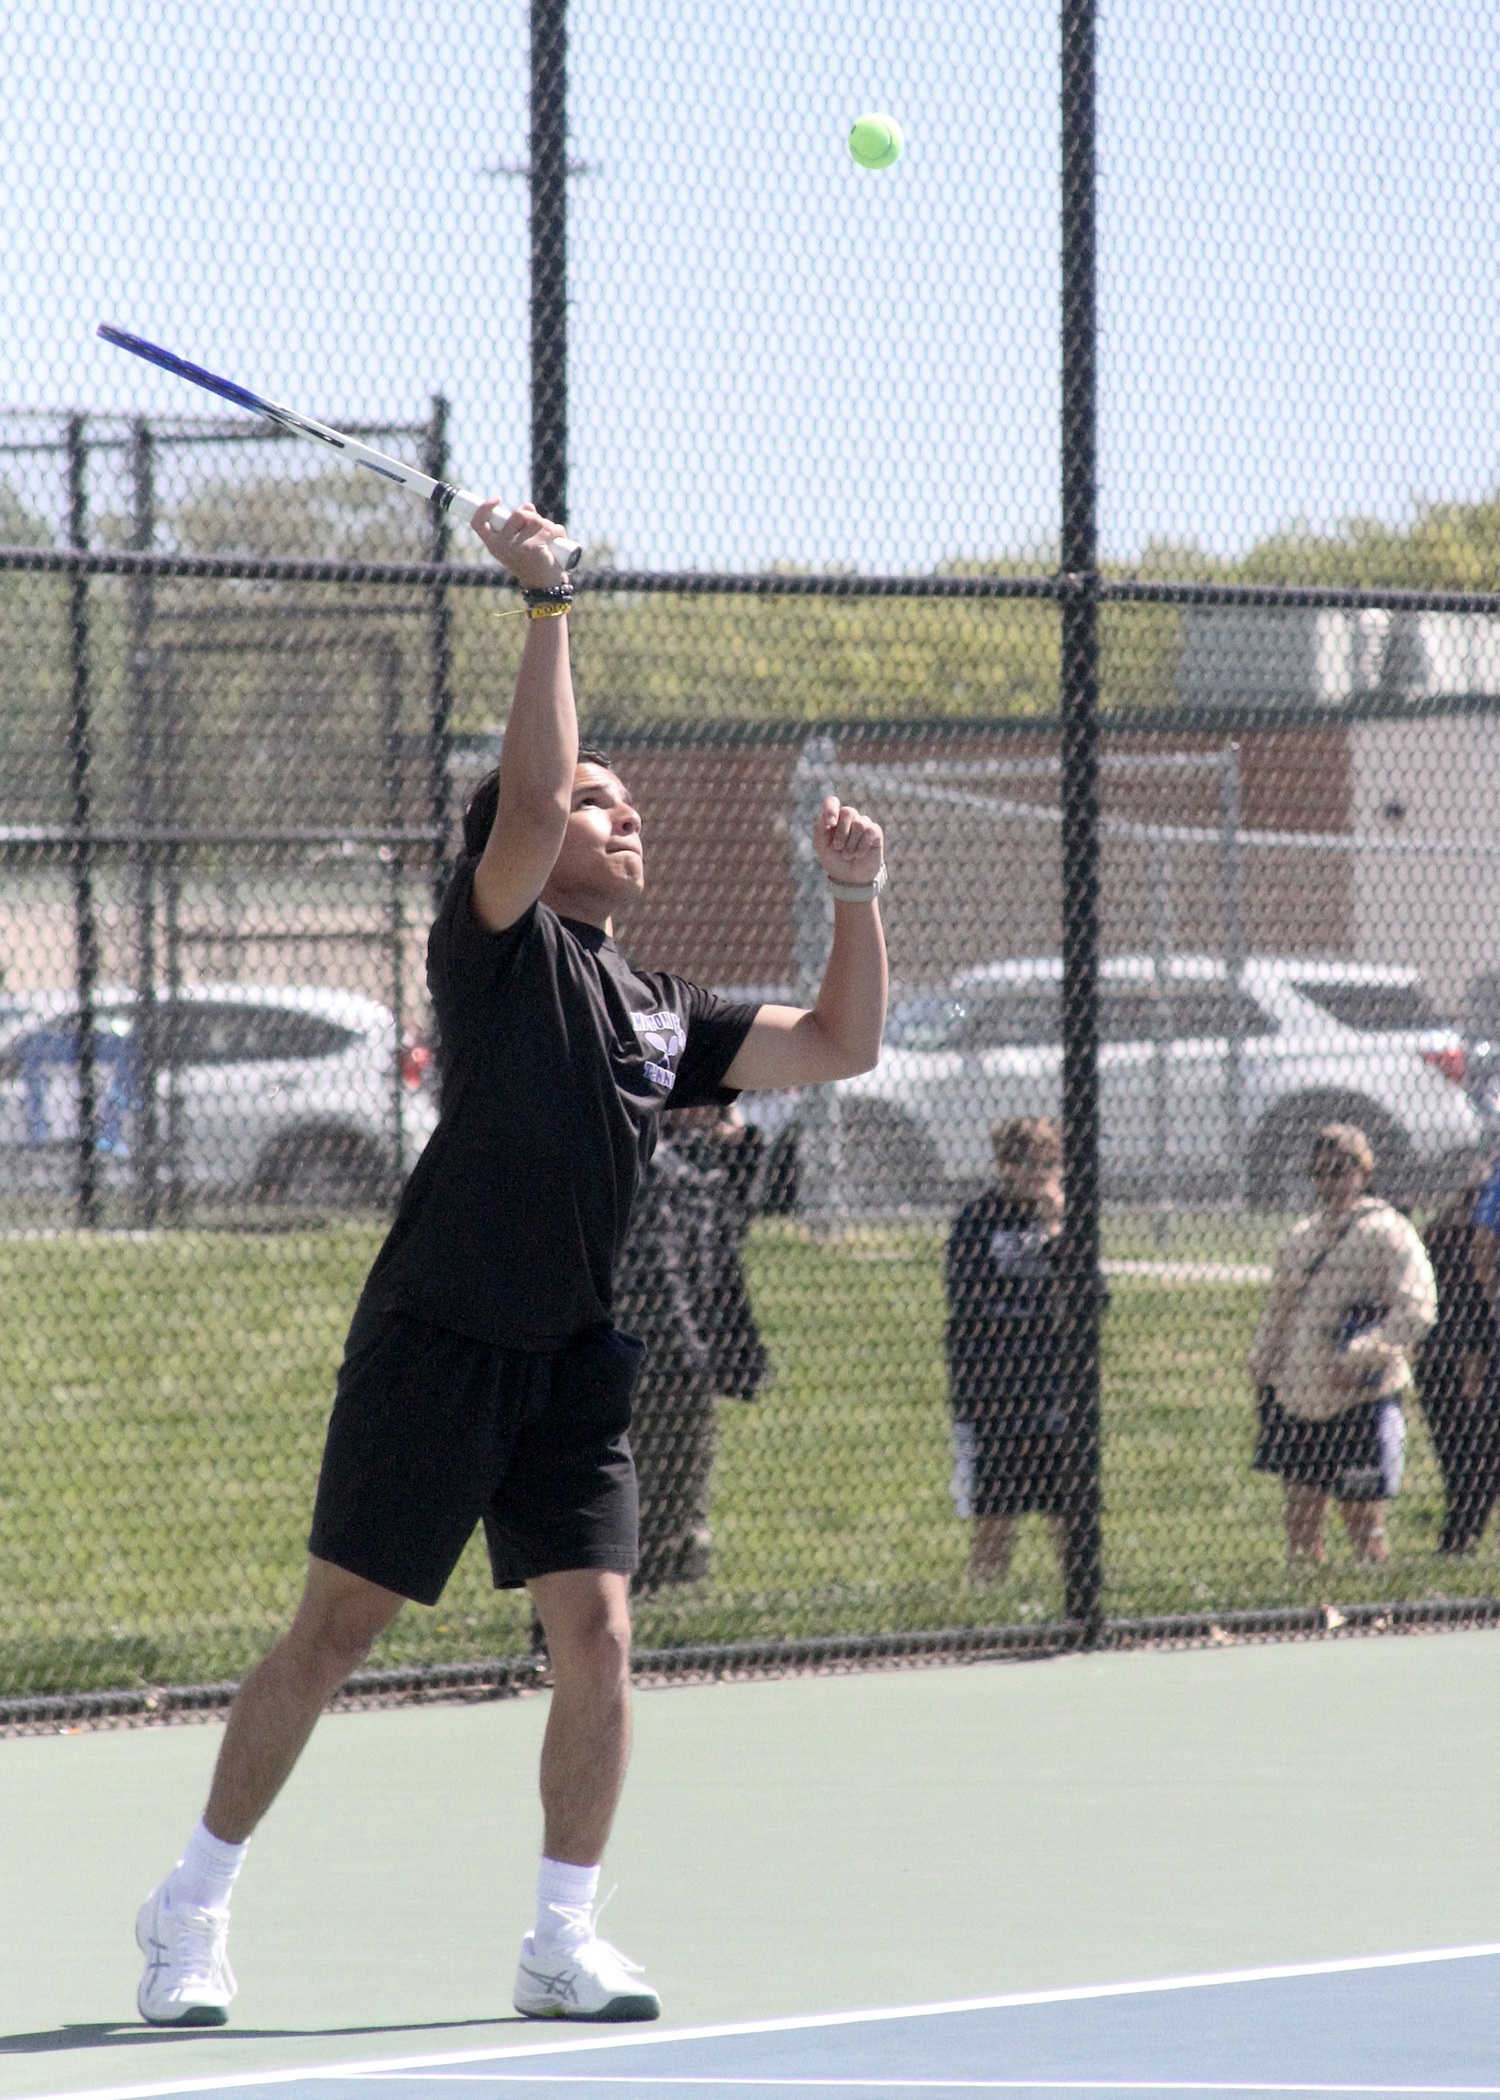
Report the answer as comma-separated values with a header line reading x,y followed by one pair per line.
x,y
483,1380
1456,1375
681,1287
1011,1422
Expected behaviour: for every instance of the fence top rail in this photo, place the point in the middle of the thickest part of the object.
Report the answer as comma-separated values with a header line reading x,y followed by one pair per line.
x,y
1137,590
1023,768
297,835
758,584
489,576
109,431
899,786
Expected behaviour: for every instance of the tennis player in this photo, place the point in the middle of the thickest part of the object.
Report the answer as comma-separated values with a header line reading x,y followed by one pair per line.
x,y
482,1380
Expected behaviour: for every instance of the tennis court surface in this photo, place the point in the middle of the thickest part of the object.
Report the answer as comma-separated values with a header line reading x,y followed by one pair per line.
x,y
952,1879
1409,2024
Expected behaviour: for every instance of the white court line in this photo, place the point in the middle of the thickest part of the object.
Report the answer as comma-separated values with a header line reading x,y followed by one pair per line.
x,y
575,2079
934,2085
1073,1994
1192,1271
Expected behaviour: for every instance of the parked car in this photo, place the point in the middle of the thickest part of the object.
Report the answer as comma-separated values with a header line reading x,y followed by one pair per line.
x,y
1316,1042
282,1094
1481,1033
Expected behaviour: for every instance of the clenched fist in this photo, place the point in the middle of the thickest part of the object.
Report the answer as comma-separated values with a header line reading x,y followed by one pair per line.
x,y
849,847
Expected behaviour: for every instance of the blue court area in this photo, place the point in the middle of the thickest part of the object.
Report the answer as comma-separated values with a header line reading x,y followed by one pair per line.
x,y
1407,2024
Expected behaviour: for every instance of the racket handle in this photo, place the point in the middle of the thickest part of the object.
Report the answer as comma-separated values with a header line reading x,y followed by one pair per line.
x,y
462,504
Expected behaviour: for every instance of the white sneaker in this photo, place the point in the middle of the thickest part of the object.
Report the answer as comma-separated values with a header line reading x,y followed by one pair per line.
x,y
581,1980
188,1980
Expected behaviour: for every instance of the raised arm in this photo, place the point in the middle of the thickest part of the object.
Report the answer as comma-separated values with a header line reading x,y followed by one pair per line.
x,y
800,1046
540,751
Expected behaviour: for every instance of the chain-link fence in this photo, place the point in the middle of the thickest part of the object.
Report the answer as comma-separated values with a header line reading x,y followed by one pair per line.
x,y
1189,788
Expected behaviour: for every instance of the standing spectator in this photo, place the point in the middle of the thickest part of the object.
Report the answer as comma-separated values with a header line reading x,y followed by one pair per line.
x,y
1351,1297
1456,1374
721,1144
1485,1249
1011,1444
680,1287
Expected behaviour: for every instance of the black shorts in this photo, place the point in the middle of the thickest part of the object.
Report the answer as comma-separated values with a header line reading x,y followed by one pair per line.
x,y
433,1432
1355,1456
1011,1464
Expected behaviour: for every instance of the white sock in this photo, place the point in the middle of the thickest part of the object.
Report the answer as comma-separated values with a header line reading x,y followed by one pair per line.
x,y
564,1900
204,1876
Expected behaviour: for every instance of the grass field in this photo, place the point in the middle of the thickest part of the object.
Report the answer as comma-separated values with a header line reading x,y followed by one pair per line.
x,y
163,1401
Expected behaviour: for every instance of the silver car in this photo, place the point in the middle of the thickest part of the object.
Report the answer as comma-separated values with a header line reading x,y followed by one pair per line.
x,y
299,1095
1199,1095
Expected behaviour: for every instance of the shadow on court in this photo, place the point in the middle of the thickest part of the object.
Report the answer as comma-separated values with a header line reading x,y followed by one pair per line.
x,y
109,2034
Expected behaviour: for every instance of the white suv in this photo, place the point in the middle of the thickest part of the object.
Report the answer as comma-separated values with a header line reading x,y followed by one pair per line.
x,y
285,1094
1317,1042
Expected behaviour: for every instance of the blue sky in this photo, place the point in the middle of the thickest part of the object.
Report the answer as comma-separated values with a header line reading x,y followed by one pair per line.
x,y
776,356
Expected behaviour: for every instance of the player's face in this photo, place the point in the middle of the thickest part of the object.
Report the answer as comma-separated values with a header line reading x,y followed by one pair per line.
x,y
601,849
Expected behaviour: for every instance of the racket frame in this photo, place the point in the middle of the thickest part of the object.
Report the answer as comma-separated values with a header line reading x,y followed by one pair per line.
x,y
443,497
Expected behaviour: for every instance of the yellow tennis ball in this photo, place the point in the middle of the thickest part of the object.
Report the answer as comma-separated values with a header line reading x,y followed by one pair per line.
x,y
876,141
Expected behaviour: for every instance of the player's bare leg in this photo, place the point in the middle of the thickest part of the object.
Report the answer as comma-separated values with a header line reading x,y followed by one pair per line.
x,y
277,1706
183,1925
585,1615
1306,1510
566,1971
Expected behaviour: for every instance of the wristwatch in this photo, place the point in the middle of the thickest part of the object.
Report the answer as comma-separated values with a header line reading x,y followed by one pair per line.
x,y
860,892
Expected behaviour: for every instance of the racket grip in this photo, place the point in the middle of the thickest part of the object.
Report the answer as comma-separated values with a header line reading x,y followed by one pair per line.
x,y
463,503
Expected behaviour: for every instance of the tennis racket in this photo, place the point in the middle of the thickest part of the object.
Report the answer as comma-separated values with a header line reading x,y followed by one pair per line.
x,y
447,501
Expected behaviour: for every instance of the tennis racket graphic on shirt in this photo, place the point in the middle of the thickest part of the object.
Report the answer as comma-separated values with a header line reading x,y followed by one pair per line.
x,y
446,500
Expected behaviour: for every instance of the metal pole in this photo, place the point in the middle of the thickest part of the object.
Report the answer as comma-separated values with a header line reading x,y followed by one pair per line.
x,y
549,258
80,760
168,1034
439,657
1232,886
1079,698
818,1134
388,679
143,812
1161,1054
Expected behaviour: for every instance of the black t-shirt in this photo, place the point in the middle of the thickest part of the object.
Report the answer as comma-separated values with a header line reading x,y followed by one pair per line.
x,y
556,1060
1003,1337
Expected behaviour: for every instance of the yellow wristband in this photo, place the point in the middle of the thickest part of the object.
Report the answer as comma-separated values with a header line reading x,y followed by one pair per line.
x,y
545,612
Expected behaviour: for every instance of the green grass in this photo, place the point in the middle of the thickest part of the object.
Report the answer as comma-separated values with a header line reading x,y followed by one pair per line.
x,y
162,1404
1142,1233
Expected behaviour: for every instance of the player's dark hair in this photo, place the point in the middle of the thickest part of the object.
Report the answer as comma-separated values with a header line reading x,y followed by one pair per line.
x,y
479,810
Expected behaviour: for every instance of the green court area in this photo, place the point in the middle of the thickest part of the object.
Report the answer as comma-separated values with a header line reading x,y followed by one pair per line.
x,y
162,1402
809,1846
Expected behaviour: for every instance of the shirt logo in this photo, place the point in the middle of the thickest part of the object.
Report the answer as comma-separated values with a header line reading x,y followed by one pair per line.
x,y
1019,1253
662,1040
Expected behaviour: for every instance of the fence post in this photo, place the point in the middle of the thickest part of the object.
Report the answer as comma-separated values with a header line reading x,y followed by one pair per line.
x,y
1161,1053
548,171
80,788
1232,890
143,755
818,1133
388,685
172,802
439,656
1079,698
